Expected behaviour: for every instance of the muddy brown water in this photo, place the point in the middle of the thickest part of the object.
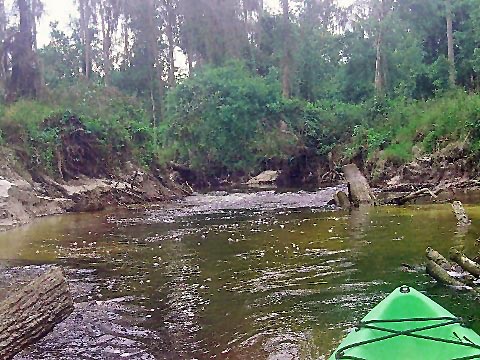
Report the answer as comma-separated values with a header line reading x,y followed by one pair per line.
x,y
264,275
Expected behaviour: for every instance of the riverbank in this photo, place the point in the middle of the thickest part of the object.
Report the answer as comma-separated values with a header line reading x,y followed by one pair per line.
x,y
28,194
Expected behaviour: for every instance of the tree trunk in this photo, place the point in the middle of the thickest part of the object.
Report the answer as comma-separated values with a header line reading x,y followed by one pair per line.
x,y
441,275
34,23
189,59
451,53
106,42
359,190
380,80
341,200
3,24
85,14
24,79
126,45
171,20
465,263
460,214
32,312
156,66
438,258
286,87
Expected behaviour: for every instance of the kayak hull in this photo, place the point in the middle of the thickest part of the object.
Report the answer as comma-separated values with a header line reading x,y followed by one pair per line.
x,y
409,325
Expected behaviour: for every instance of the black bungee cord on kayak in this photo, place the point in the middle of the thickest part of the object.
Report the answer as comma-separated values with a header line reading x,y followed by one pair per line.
x,y
370,324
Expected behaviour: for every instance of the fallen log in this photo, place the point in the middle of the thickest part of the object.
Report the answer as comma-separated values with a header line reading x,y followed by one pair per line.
x,y
341,200
32,312
360,192
464,262
460,214
402,200
437,258
441,275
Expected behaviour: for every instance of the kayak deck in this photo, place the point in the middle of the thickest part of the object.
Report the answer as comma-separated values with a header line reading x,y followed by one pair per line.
x,y
409,325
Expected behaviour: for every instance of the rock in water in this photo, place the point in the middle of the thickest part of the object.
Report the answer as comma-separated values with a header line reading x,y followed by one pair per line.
x,y
266,177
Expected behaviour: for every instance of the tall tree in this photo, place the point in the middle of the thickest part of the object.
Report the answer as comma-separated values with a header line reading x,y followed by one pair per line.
x,y
37,12
380,66
109,15
170,25
24,81
287,54
450,44
86,15
3,34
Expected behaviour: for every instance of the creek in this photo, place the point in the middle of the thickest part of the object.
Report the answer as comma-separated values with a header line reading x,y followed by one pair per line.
x,y
232,275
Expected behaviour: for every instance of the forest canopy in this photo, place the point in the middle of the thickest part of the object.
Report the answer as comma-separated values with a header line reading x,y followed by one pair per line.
x,y
228,87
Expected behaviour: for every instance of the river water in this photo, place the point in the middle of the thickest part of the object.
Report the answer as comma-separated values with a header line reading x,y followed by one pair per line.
x,y
265,275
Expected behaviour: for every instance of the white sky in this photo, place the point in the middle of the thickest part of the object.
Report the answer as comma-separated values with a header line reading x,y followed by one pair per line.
x,y
62,10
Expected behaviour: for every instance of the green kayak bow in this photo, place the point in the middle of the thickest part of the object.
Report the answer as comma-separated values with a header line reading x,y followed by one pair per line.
x,y
407,325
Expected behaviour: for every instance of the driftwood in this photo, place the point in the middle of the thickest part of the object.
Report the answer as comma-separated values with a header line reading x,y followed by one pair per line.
x,y
465,263
32,312
341,200
438,259
403,199
460,214
360,192
441,275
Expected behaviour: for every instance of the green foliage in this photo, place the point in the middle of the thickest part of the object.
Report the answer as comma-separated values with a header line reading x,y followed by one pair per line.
x,y
218,119
430,125
226,119
119,123
322,125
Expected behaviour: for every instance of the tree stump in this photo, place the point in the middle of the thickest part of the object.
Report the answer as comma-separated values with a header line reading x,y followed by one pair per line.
x,y
360,192
341,200
32,312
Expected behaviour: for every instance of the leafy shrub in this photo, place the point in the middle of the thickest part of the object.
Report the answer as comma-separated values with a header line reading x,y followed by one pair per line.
x,y
217,120
119,122
430,124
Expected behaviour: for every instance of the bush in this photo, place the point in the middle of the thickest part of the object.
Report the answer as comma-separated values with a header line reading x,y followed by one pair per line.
x,y
117,121
218,119
430,125
225,120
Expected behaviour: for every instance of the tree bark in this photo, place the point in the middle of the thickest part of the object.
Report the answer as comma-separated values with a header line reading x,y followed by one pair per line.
x,y
3,25
156,65
24,80
451,53
32,312
34,5
106,43
438,258
171,20
465,263
126,44
460,214
341,200
360,192
85,14
286,86
380,59
441,275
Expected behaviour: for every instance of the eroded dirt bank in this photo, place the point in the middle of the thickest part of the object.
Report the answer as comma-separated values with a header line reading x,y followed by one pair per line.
x,y
83,175
24,196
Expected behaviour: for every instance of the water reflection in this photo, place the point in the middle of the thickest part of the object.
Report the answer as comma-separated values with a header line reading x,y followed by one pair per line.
x,y
359,221
232,276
